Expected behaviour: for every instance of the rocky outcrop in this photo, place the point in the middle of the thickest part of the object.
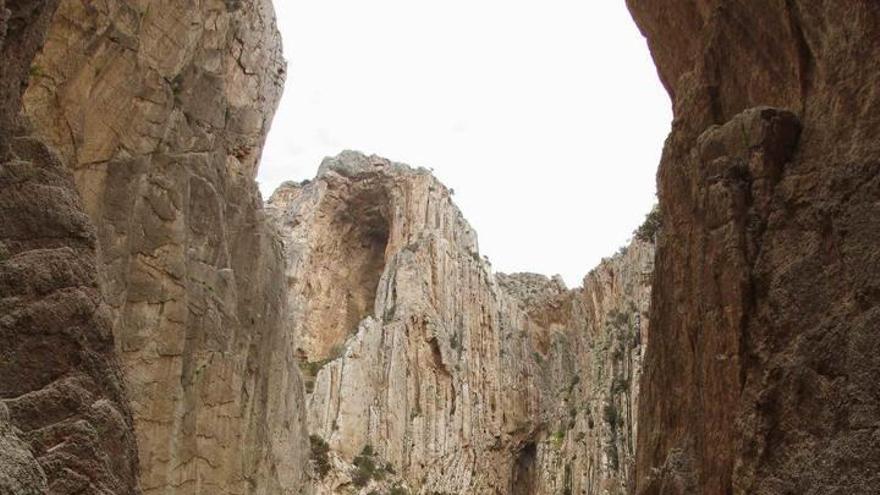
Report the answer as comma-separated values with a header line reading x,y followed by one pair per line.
x,y
427,367
160,110
428,373
62,403
762,372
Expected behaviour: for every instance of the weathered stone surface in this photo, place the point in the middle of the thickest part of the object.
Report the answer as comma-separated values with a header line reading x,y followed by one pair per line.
x,y
588,344
160,109
460,380
20,472
65,426
762,372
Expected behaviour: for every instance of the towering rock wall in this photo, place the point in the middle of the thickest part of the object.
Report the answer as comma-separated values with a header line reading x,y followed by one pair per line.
x,y
427,372
410,348
160,110
65,424
762,372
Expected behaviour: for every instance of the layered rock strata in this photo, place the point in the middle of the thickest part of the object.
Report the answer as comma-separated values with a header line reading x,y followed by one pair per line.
x,y
762,372
427,372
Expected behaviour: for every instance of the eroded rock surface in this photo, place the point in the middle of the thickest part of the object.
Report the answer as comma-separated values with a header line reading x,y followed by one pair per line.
x,y
65,424
762,372
160,109
427,371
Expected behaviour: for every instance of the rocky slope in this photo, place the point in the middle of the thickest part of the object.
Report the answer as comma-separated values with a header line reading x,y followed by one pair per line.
x,y
763,369
160,110
426,371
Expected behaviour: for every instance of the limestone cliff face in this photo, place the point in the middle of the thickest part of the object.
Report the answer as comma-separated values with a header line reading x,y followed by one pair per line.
x,y
588,346
426,370
160,110
761,376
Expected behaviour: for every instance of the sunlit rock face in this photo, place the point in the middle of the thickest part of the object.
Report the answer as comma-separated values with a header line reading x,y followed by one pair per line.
x,y
762,369
160,110
446,377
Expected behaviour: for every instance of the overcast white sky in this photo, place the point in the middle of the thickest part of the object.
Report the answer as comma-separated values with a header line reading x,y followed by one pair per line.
x,y
547,118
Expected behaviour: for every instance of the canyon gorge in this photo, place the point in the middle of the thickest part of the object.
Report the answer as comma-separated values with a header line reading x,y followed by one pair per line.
x,y
166,331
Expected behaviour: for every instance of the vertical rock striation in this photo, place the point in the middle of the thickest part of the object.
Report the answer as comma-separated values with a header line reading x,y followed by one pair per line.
x,y
426,370
160,110
588,347
65,424
762,372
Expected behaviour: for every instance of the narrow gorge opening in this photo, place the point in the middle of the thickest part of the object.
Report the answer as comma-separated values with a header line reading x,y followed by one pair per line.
x,y
184,303
533,139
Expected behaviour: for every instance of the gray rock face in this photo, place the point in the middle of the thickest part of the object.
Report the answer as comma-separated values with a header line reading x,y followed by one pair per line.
x,y
459,380
20,472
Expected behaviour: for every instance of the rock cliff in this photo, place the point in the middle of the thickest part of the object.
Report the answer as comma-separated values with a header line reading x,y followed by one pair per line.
x,y
762,372
163,332
65,424
159,110
428,372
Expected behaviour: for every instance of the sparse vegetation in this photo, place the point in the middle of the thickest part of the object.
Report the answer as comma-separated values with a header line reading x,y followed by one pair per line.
x,y
453,341
319,455
398,490
310,369
620,384
574,382
647,232
611,415
36,71
538,358
613,419
368,467
557,438
617,319
611,452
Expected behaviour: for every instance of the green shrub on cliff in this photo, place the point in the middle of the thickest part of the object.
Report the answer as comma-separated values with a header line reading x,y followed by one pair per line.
x,y
647,232
319,455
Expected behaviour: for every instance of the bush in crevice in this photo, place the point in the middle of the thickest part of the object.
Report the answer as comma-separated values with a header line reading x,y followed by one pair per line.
x,y
367,468
647,232
319,455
